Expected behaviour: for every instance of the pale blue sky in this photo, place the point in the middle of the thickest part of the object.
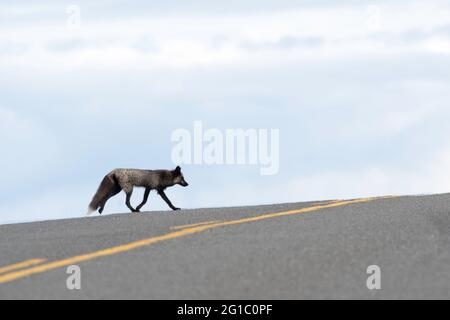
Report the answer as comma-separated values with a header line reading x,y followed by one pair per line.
x,y
360,91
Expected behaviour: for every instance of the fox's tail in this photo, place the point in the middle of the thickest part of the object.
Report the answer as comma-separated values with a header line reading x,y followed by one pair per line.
x,y
107,189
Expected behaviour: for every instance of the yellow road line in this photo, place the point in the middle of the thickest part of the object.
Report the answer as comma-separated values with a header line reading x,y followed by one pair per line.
x,y
215,221
169,236
333,201
21,265
194,225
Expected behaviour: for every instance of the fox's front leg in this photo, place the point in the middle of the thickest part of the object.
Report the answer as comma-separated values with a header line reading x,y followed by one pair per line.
x,y
163,195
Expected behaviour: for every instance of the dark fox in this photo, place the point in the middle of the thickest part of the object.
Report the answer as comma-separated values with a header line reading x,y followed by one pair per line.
x,y
127,179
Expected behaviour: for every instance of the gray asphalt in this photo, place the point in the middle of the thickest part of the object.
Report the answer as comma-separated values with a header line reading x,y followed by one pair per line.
x,y
318,255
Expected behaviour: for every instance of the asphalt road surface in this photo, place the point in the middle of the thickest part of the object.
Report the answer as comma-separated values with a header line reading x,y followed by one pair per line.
x,y
315,250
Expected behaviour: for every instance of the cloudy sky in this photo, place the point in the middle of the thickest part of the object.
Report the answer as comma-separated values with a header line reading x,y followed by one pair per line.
x,y
360,91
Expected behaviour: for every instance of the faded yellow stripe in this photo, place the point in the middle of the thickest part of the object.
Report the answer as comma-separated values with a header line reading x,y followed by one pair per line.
x,y
21,265
194,225
173,235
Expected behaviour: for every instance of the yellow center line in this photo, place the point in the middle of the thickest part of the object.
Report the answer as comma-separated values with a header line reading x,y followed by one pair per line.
x,y
333,201
169,236
194,225
21,265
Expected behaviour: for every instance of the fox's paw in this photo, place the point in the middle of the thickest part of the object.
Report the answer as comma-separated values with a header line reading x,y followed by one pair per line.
x,y
176,209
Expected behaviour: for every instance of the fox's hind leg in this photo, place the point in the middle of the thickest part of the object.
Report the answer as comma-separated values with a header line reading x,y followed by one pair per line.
x,y
144,201
129,192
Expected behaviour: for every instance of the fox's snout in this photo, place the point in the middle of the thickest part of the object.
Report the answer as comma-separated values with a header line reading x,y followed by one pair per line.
x,y
179,178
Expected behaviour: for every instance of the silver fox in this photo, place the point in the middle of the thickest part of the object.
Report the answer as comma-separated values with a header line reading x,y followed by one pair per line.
x,y
126,179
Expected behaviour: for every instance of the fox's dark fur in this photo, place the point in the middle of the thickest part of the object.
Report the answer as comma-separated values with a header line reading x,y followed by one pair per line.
x,y
127,179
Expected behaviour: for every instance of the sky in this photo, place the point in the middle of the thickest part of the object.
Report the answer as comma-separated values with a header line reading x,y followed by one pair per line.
x,y
359,91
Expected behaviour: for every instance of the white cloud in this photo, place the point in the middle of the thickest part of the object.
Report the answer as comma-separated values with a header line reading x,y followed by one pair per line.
x,y
439,44
360,183
58,203
188,40
27,149
361,110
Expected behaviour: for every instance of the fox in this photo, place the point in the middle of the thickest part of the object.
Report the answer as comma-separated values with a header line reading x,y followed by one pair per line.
x,y
127,179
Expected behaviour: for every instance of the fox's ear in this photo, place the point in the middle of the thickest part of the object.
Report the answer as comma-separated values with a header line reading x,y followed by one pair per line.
x,y
178,170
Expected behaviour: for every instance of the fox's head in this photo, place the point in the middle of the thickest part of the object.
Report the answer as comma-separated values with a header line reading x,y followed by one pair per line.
x,y
179,178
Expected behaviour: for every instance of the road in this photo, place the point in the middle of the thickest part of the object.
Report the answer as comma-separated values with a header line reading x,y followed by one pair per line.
x,y
317,250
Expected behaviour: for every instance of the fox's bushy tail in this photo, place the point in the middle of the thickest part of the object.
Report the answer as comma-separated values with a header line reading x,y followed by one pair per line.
x,y
108,188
